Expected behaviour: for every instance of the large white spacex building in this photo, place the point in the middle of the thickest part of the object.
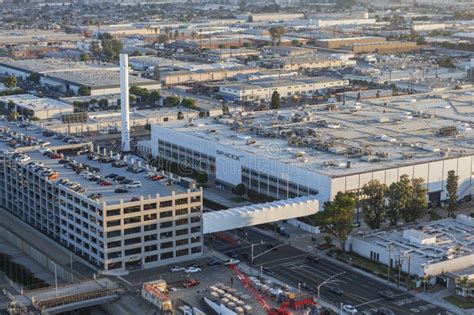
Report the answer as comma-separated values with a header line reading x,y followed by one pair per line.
x,y
313,151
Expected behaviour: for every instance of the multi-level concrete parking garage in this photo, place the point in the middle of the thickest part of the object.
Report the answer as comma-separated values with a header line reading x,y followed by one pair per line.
x,y
117,213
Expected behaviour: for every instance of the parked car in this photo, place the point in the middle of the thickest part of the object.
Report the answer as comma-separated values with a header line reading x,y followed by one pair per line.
x,y
105,183
349,309
190,283
177,269
121,191
192,269
134,184
214,263
119,164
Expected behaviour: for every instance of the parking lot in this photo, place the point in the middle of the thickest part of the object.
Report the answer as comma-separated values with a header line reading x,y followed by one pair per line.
x,y
292,266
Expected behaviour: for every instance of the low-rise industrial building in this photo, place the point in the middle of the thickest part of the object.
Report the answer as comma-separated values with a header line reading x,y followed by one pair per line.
x,y
334,43
204,75
313,150
33,107
291,87
427,250
110,121
270,17
68,76
386,47
307,63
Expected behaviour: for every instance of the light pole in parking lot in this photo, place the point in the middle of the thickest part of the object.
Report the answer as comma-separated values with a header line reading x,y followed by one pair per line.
x,y
328,280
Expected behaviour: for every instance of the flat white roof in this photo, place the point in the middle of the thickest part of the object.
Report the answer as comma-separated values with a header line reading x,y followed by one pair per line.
x,y
34,103
373,134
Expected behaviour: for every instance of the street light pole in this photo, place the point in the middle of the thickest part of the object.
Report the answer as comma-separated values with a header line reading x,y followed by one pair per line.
x,y
341,309
328,280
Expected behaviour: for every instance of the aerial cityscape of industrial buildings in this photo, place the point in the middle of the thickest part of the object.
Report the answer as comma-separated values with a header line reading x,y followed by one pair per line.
x,y
237,157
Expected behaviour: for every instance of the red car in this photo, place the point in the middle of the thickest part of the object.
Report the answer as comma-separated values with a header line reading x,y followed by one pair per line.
x,y
190,283
157,177
105,183
55,156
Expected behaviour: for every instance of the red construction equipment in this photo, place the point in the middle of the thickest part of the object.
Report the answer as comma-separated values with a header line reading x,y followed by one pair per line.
x,y
282,310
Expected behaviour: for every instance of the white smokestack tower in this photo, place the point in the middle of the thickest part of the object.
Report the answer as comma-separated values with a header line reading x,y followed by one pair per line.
x,y
124,103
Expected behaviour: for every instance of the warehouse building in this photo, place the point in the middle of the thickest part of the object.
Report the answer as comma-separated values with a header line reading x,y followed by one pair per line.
x,y
334,43
31,106
307,63
427,250
294,87
71,77
386,47
114,226
204,75
316,151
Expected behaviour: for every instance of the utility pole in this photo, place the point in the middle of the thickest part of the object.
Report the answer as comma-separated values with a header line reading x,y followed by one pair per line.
x,y
408,278
389,264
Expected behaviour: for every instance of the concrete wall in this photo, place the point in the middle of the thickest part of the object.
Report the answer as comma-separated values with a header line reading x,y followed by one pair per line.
x,y
434,174
35,254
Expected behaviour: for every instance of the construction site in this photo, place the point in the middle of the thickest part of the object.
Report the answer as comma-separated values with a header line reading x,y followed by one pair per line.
x,y
226,289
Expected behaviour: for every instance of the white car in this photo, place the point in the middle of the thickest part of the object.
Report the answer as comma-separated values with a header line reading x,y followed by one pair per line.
x,y
232,261
192,269
177,269
134,184
349,309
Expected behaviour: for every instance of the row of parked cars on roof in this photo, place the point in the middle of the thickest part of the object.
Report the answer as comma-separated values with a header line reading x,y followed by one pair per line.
x,y
115,163
48,133
17,140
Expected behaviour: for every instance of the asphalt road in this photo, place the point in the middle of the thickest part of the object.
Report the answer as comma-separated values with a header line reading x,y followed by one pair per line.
x,y
290,265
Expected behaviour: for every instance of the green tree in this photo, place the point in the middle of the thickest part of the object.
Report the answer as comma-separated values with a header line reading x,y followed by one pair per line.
x,y
373,207
84,57
95,48
189,103
397,197
111,47
275,102
417,202
202,178
240,189
10,81
172,101
34,78
180,115
276,33
154,97
452,189
84,91
336,218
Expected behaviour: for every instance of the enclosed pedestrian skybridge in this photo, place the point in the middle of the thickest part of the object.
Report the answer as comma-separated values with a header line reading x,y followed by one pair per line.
x,y
234,218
